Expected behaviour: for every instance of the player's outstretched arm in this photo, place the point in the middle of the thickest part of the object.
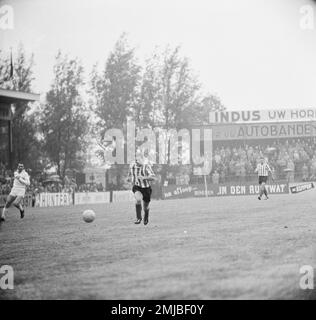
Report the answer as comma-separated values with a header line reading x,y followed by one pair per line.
x,y
25,180
150,178
150,174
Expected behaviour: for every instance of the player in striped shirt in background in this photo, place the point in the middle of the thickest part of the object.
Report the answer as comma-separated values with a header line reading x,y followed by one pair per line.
x,y
263,170
140,175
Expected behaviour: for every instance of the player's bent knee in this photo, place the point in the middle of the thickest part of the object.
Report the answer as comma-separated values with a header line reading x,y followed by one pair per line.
x,y
138,196
18,200
10,200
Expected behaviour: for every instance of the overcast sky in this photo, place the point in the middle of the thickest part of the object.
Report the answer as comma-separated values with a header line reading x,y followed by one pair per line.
x,y
251,53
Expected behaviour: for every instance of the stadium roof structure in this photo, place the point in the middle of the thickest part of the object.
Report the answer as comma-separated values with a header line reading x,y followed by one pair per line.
x,y
8,97
11,96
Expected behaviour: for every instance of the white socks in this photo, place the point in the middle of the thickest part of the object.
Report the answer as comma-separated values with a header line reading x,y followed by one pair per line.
x,y
3,212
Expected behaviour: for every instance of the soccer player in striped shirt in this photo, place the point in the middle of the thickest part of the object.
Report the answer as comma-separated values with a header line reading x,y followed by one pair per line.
x,y
140,175
263,170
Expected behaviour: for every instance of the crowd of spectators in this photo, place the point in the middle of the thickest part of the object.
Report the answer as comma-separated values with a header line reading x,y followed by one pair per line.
x,y
290,159
38,187
5,180
39,184
90,187
235,162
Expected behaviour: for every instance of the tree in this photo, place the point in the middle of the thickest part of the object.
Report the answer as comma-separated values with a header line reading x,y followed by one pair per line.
x,y
171,98
209,103
26,145
165,95
114,91
64,120
170,92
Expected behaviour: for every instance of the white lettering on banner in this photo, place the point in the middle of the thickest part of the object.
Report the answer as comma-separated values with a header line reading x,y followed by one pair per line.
x,y
263,131
180,190
302,187
92,197
222,191
254,189
271,188
53,199
174,192
280,115
276,188
238,190
123,196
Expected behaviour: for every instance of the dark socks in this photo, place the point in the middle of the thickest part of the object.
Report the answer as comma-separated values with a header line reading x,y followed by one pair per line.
x,y
146,214
138,211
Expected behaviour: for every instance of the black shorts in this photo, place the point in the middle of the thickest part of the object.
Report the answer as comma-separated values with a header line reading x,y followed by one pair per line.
x,y
263,179
146,192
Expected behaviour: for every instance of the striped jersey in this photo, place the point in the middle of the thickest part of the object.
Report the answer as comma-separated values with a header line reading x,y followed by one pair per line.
x,y
263,169
137,170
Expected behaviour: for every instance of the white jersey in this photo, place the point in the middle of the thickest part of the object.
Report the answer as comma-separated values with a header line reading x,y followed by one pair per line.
x,y
21,180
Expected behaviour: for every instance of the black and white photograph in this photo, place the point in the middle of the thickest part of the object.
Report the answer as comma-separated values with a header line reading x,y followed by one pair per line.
x,y
157,151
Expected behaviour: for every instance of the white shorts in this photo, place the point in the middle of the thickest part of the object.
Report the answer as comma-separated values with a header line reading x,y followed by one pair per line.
x,y
17,192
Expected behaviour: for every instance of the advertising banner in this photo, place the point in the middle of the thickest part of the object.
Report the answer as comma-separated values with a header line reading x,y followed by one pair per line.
x,y
92,197
27,201
198,190
259,116
53,199
264,131
302,187
122,196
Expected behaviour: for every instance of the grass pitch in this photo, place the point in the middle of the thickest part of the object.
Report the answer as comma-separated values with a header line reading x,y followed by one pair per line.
x,y
206,248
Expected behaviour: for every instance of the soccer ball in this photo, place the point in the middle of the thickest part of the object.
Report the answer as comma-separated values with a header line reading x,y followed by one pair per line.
x,y
88,216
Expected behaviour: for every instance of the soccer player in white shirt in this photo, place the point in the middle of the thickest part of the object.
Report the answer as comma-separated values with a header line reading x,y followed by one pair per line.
x,y
21,181
263,170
